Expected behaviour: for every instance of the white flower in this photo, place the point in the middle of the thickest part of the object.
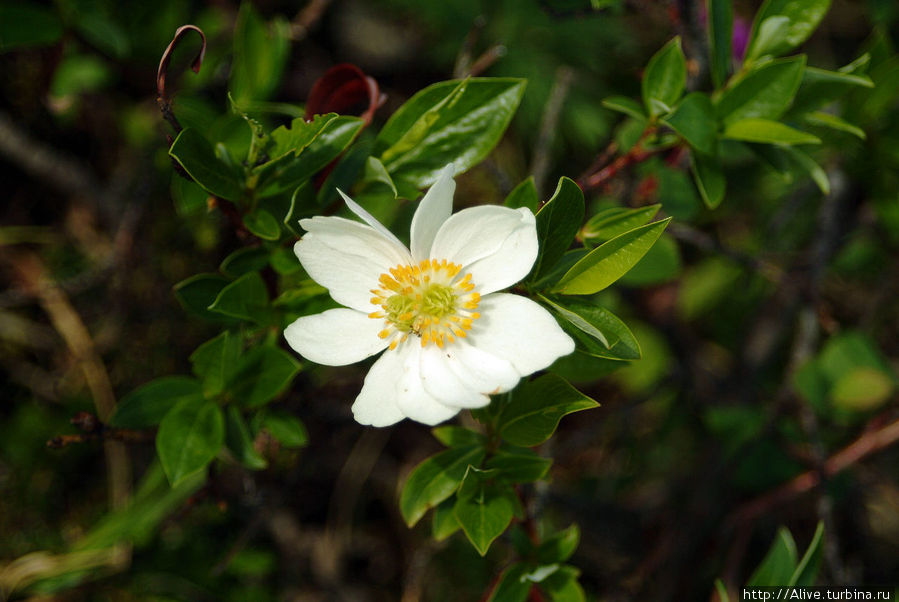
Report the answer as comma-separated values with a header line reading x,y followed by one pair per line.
x,y
451,339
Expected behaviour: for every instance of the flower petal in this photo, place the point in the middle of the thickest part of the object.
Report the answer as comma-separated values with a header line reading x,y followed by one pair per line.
x,y
336,337
412,398
512,260
445,385
481,371
376,403
434,209
520,331
347,258
369,219
476,232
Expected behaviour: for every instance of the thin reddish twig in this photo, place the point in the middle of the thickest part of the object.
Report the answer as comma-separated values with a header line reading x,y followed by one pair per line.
x,y
636,154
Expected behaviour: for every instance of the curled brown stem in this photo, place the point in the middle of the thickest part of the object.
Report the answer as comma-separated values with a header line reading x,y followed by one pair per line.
x,y
163,96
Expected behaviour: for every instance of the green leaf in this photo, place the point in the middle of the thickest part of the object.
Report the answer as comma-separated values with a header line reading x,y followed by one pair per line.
x,y
148,404
284,261
560,546
189,437
721,31
537,407
444,523
246,298
590,323
664,78
831,121
765,92
820,88
376,174
213,361
287,429
518,465
260,54
524,195
807,570
611,260
194,153
768,132
24,24
197,293
862,389
261,374
694,119
263,224
562,585
770,35
804,162
458,436
512,586
802,18
448,122
241,261
722,591
435,479
779,563
628,106
609,223
568,260
709,177
298,136
484,509
558,222
662,263
239,441
290,171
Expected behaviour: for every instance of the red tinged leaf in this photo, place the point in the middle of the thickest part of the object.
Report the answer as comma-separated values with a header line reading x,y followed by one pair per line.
x,y
344,88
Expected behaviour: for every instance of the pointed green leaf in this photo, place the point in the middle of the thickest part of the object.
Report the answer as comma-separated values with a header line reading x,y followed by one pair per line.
x,y
609,223
512,585
484,509
298,136
694,119
562,585
458,436
518,465
537,407
779,563
560,546
148,404
214,361
801,16
820,88
558,222
524,195
261,374
611,260
287,429
768,132
628,106
194,153
721,31
444,523
260,54
239,441
709,177
435,479
615,339
831,121
246,298
263,224
765,92
197,293
189,437
241,261
807,164
807,570
770,35
448,122
664,78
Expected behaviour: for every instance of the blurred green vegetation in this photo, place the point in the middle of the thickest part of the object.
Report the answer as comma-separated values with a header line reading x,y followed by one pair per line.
x,y
768,327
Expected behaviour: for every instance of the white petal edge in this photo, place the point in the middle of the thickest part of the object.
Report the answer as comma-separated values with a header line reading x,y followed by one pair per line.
x,y
412,398
434,209
475,233
480,370
336,337
520,331
376,403
347,258
369,219
511,262
444,384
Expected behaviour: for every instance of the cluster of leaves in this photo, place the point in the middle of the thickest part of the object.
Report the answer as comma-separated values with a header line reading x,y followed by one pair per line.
x,y
772,106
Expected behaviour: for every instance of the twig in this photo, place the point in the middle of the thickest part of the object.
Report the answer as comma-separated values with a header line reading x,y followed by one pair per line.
x,y
486,60
68,323
868,443
635,155
463,59
549,124
308,16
